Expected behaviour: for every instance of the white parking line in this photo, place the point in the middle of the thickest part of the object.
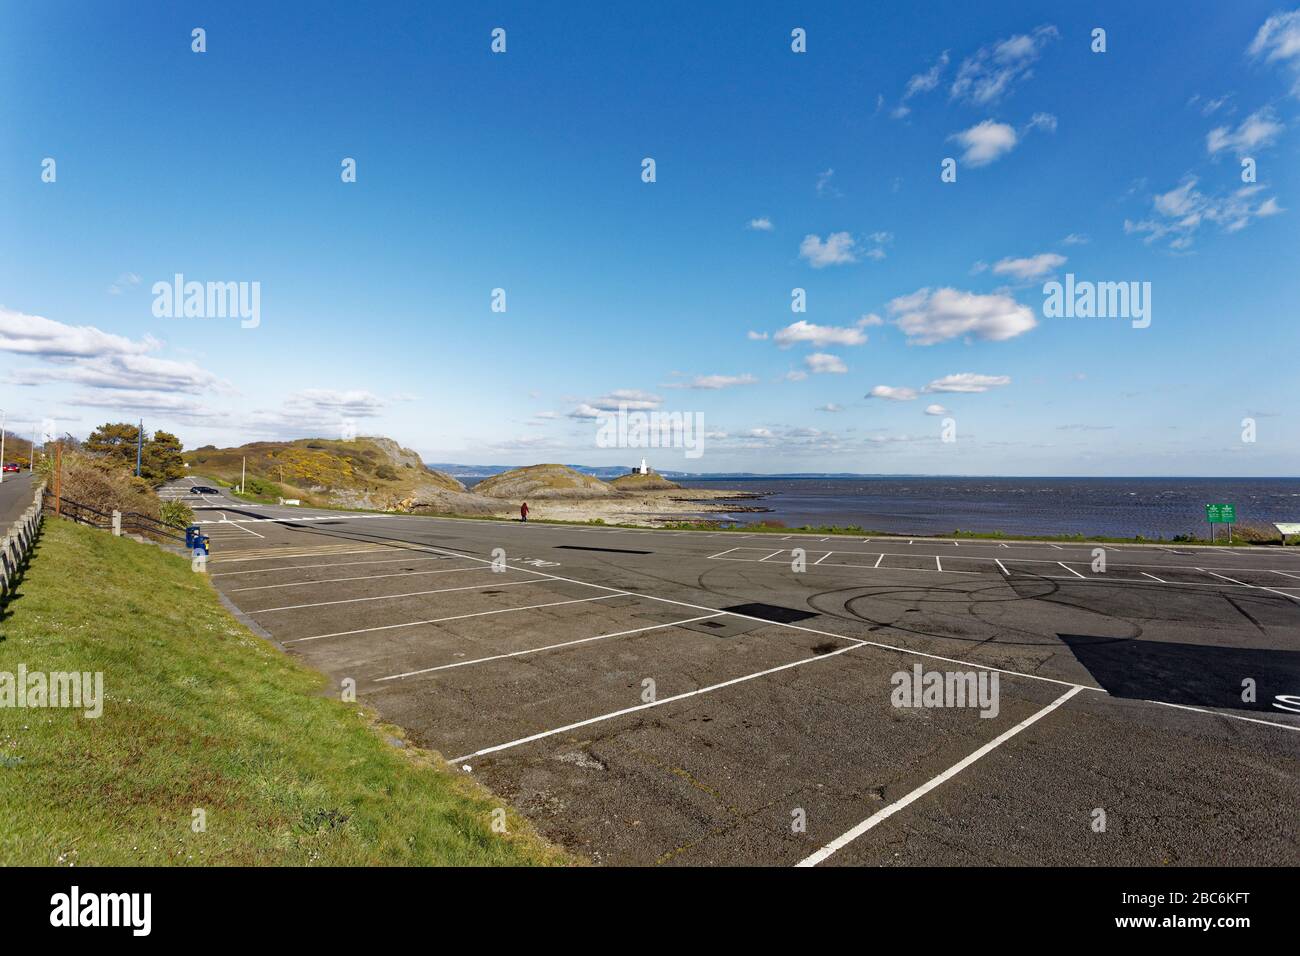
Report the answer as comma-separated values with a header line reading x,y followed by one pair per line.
x,y
328,564
317,553
1287,574
455,617
361,577
655,703
772,555
878,560
882,815
937,563
548,647
823,558
616,592
1215,713
720,554
1070,569
391,597
1257,587
1153,577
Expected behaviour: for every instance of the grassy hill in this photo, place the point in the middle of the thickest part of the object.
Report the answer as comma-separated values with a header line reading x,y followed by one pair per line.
x,y
369,472
199,713
543,481
639,482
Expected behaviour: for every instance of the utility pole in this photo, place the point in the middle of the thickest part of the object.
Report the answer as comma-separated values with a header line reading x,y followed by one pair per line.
x,y
243,469
58,478
31,456
3,415
139,446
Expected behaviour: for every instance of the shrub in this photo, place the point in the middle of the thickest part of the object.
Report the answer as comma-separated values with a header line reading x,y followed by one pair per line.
x,y
105,484
176,513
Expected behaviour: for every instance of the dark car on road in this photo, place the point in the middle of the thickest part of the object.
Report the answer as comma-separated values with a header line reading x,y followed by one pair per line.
x,y
204,490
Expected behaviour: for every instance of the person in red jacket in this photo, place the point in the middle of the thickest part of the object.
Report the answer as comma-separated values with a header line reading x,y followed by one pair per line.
x,y
523,511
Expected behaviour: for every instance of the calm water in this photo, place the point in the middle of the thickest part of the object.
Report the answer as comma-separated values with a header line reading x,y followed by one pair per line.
x,y
1153,507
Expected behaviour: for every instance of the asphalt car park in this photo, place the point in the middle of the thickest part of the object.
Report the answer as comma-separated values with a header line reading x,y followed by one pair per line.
x,y
662,697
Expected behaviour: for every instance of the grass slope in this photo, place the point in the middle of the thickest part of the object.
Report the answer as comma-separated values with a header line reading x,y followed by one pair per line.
x,y
542,481
200,713
366,471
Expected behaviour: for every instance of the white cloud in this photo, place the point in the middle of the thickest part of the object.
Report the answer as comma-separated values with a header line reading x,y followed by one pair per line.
x,y
928,317
633,398
156,403
795,375
1043,121
990,73
123,371
1181,211
761,224
921,83
935,410
1256,131
1278,41
830,407
1268,207
968,382
824,186
123,282
37,335
985,142
868,320
1032,267
893,393
838,249
820,363
353,403
1210,106
714,382
756,336
1074,239
818,335
317,411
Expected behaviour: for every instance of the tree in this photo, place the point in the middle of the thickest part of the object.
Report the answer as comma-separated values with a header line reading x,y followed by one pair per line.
x,y
115,439
160,459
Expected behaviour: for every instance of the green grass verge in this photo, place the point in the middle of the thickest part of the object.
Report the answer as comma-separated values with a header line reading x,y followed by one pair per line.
x,y
200,713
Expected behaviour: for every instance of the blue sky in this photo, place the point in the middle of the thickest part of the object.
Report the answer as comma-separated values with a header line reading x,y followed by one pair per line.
x,y
775,170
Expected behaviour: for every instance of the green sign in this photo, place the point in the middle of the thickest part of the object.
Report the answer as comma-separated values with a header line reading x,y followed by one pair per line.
x,y
1221,514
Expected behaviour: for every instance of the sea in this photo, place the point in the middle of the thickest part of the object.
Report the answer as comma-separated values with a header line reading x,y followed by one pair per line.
x,y
1108,507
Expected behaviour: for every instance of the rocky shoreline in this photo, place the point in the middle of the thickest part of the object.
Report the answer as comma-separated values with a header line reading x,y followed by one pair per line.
x,y
651,509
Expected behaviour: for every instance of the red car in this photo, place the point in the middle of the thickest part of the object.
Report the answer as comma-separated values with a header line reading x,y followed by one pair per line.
x,y
11,466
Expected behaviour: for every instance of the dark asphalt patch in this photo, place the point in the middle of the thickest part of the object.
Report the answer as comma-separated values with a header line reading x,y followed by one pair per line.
x,y
1197,675
578,547
770,612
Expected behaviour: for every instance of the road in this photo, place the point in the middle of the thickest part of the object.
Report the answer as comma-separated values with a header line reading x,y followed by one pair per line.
x,y
656,697
16,495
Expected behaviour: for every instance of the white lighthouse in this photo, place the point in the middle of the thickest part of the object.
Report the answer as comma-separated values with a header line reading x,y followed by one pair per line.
x,y
644,469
